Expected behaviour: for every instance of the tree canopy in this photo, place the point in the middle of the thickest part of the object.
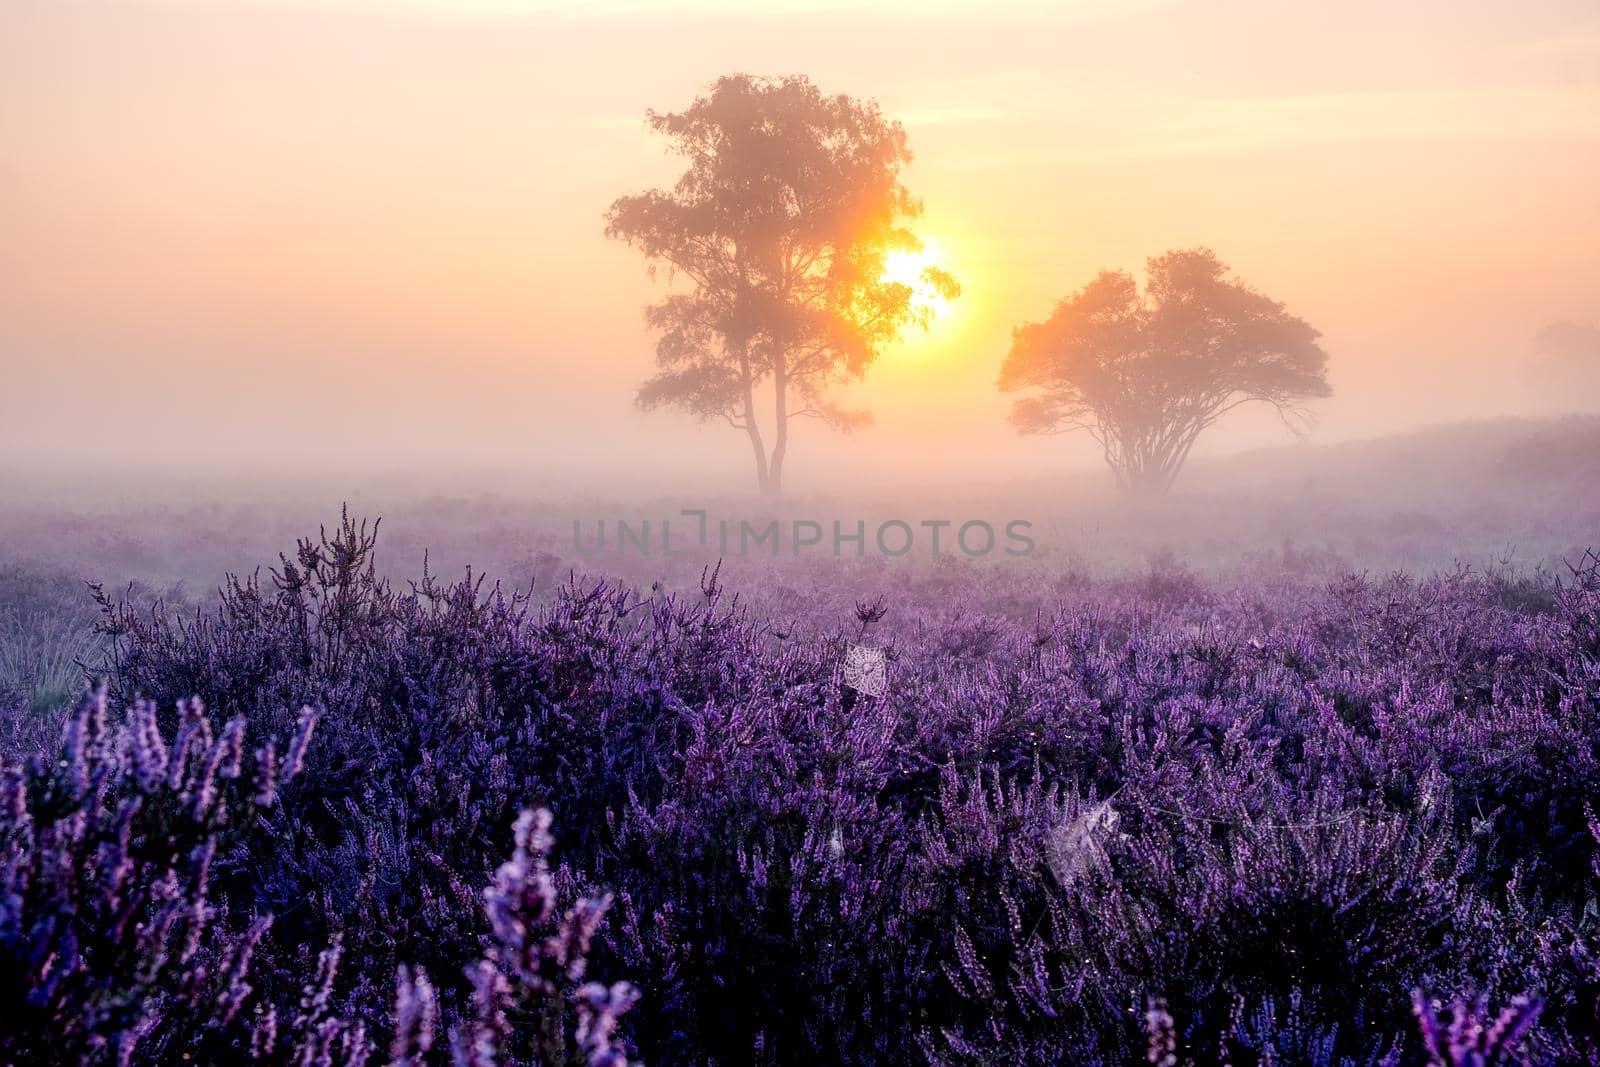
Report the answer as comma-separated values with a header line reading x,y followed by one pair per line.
x,y
780,226
1146,373
1567,365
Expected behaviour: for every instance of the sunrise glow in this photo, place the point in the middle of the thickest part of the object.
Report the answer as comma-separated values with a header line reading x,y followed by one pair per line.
x,y
910,268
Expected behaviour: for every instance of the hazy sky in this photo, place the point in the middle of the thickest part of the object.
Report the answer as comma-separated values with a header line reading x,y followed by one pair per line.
x,y
372,228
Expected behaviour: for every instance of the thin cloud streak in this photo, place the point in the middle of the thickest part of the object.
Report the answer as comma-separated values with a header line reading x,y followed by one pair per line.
x,y
1153,128
1057,11
950,116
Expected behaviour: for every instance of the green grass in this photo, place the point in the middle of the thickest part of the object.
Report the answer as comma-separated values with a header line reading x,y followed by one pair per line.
x,y
42,660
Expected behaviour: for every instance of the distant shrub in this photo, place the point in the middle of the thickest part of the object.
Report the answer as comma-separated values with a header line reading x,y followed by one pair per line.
x,y
1569,449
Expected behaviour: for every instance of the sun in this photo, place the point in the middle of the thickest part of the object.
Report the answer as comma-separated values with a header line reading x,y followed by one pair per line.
x,y
909,267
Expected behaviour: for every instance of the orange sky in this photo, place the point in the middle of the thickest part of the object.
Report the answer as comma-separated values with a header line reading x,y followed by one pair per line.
x,y
279,230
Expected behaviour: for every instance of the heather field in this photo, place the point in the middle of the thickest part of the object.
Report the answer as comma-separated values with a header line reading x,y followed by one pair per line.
x,y
1204,797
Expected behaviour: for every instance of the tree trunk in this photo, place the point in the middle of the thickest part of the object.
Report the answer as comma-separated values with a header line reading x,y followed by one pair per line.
x,y
763,476
773,486
1149,465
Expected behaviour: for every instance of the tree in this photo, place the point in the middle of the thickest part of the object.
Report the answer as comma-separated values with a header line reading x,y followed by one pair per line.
x,y
1145,374
1567,368
780,225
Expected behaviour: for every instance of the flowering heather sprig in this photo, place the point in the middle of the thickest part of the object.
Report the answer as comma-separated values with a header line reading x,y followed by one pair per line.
x,y
223,761
1471,1037
600,1008
146,750
476,1043
266,777
234,986
534,965
295,761
1158,1024
522,898
415,1016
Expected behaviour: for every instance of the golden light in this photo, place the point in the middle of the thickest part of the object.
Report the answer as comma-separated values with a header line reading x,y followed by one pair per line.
x,y
909,268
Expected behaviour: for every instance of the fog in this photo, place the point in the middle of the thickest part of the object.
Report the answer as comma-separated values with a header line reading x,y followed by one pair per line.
x,y
364,240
